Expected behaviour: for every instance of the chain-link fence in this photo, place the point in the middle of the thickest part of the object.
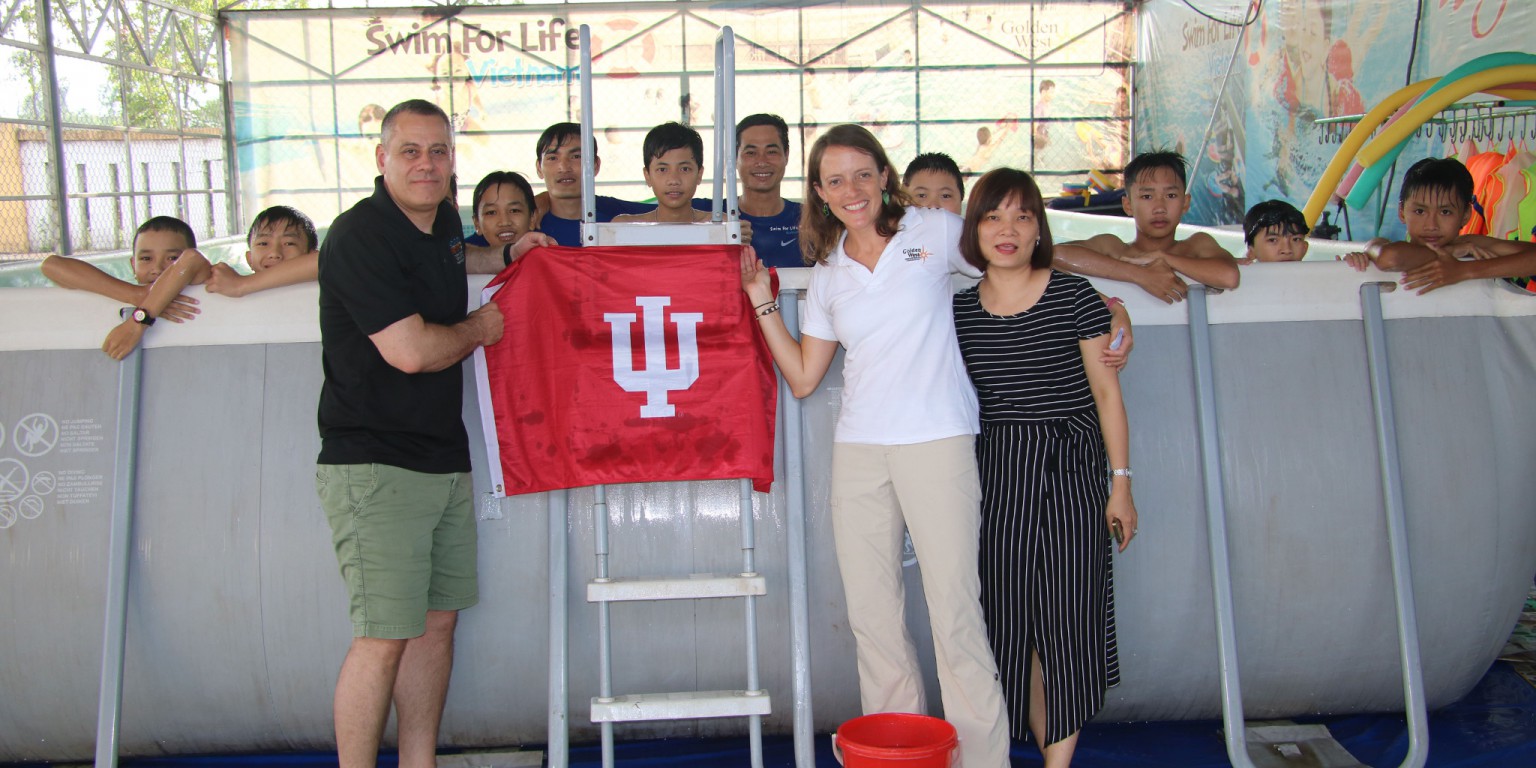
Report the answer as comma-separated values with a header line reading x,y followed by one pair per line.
x,y
110,113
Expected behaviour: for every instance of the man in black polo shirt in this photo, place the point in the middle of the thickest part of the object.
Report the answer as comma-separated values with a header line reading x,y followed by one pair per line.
x,y
393,471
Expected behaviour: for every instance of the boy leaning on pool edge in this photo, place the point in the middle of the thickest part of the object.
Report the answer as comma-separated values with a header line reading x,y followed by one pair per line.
x,y
1434,203
165,262
1155,259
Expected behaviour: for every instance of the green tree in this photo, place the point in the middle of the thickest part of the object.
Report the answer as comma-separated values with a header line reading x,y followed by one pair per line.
x,y
180,43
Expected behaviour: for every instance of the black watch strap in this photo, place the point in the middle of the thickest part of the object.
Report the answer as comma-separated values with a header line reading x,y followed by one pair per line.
x,y
506,254
141,316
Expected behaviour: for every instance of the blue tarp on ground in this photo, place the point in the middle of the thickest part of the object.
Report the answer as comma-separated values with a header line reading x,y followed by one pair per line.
x,y
1493,726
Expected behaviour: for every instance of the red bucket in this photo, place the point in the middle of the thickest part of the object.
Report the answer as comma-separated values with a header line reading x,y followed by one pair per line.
x,y
895,740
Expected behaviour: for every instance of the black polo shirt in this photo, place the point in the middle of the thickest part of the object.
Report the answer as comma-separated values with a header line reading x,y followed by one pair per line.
x,y
377,268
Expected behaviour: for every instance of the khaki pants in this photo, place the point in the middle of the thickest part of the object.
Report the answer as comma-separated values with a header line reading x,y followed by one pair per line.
x,y
933,488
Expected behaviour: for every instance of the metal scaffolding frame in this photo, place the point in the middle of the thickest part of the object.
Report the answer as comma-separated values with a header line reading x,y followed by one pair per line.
x,y
106,164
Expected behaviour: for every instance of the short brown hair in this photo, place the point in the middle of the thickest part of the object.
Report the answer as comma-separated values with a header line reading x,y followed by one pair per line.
x,y
420,107
819,229
990,193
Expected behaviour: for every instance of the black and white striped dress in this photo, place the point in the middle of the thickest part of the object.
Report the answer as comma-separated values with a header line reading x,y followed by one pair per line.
x,y
1046,584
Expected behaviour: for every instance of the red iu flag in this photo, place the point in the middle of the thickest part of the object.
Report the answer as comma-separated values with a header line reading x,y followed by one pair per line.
x,y
627,365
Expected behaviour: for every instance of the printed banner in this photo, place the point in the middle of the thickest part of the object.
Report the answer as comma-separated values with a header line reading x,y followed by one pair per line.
x,y
1252,135
626,365
309,87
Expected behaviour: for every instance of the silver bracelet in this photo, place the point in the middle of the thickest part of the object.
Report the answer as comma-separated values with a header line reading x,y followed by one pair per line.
x,y
772,308
1121,472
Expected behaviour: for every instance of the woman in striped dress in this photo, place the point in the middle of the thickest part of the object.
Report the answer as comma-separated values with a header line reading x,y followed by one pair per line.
x,y
1032,339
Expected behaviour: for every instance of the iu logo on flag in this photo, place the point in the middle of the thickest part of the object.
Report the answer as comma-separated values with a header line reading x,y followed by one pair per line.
x,y
626,365
655,379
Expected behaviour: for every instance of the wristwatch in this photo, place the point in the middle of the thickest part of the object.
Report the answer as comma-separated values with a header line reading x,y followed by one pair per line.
x,y
141,316
1121,472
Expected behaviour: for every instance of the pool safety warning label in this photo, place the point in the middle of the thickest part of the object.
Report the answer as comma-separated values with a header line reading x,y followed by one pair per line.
x,y
80,436
40,458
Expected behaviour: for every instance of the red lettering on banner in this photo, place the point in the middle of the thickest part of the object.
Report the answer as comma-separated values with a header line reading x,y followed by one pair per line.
x,y
1478,10
1477,15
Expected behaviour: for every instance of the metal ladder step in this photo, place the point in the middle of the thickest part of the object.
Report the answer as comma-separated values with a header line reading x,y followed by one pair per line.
x,y
690,705
695,587
657,234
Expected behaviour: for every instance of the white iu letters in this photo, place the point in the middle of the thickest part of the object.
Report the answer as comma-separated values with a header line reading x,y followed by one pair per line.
x,y
657,379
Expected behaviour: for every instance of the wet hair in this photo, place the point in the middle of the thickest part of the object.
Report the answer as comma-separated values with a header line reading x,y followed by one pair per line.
x,y
1147,162
1273,214
413,107
934,161
1444,176
992,190
281,217
669,136
555,135
166,224
753,121
819,228
497,178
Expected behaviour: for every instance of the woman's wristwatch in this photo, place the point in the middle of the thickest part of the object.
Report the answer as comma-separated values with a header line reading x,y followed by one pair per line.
x,y
1120,472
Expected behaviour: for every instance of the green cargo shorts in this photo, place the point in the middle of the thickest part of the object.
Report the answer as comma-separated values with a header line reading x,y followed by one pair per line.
x,y
405,541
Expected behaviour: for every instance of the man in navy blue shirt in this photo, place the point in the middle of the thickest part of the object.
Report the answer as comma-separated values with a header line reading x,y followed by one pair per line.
x,y
762,154
559,158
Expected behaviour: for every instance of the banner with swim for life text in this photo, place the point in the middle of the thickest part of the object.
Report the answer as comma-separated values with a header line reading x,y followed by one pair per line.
x,y
626,365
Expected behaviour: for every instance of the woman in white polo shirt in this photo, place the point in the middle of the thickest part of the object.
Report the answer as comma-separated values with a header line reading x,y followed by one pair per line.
x,y
904,453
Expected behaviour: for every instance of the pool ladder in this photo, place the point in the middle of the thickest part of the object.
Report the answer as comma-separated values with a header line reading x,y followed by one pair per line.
x,y
1237,733
607,708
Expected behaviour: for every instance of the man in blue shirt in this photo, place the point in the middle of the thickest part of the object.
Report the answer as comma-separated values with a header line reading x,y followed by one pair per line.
x,y
762,154
559,158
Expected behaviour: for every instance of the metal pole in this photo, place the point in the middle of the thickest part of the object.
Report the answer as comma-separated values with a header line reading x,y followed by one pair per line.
x,y
749,568
330,31
604,631
559,630
917,76
588,144
1216,526
717,199
55,123
725,115
795,530
119,554
1397,528
231,170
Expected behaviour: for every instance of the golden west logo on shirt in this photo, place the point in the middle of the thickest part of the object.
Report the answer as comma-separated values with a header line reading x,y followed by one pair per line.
x,y
917,254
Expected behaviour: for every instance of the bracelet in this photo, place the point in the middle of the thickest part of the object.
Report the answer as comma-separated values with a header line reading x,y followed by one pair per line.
x,y
1120,472
764,304
506,255
772,308
1110,302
